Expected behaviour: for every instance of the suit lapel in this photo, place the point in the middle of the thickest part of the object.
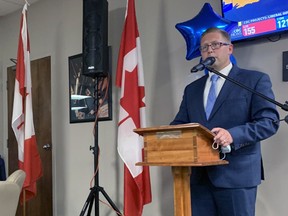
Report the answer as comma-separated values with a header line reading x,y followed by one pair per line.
x,y
225,91
198,98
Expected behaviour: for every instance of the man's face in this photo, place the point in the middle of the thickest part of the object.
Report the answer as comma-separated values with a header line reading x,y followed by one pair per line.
x,y
218,47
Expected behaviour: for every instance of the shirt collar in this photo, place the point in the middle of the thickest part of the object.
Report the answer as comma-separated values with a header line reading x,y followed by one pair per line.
x,y
225,71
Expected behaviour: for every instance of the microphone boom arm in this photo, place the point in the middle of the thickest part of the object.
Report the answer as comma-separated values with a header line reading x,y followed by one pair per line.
x,y
283,106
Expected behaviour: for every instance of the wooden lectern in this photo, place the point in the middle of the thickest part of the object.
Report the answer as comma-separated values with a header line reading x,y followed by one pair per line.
x,y
181,147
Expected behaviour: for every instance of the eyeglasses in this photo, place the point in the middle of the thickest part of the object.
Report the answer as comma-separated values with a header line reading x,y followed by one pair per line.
x,y
214,45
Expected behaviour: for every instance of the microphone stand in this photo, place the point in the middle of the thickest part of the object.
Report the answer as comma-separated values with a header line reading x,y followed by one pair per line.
x,y
282,106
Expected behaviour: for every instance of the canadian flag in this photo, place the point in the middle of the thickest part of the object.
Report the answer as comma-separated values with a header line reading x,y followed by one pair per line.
x,y
130,78
22,117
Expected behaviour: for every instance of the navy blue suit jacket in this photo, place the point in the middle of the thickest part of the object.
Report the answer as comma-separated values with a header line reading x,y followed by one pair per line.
x,y
249,119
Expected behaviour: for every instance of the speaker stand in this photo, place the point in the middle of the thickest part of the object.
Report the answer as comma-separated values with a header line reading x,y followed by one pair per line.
x,y
94,191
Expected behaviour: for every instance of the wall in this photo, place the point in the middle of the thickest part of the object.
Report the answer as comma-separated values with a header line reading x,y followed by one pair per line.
x,y
55,28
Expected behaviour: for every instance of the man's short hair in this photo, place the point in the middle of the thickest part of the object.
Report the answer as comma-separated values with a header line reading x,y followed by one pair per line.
x,y
214,29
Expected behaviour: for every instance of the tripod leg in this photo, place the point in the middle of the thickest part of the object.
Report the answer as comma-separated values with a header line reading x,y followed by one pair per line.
x,y
89,202
101,189
90,207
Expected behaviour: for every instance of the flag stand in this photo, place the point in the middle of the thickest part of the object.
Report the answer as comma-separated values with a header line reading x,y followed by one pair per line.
x,y
94,191
24,202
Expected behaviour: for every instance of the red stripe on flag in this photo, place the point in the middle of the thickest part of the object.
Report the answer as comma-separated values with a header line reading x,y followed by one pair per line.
x,y
22,117
128,39
137,189
32,163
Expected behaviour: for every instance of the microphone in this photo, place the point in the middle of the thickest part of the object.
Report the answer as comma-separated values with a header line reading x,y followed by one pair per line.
x,y
207,62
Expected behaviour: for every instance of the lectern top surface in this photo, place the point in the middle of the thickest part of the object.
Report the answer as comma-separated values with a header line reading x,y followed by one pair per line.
x,y
163,128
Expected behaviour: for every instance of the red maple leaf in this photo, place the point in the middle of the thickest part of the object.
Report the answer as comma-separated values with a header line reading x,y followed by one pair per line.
x,y
132,99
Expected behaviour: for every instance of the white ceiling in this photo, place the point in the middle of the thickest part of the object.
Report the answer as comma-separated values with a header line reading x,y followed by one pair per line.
x,y
10,6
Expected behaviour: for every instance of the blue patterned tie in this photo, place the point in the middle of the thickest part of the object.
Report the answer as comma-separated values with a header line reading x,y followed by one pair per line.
x,y
211,95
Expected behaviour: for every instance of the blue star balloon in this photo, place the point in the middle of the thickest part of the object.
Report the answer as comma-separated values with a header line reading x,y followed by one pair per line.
x,y
192,29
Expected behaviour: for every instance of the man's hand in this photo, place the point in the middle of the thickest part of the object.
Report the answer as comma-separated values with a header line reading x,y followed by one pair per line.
x,y
222,136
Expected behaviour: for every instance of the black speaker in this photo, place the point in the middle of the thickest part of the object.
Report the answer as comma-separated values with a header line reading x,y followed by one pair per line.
x,y
95,38
285,66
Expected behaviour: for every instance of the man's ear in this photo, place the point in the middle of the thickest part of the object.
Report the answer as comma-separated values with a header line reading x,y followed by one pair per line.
x,y
231,48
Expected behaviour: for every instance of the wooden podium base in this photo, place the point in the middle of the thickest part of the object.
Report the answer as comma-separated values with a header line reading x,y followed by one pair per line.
x,y
181,183
182,197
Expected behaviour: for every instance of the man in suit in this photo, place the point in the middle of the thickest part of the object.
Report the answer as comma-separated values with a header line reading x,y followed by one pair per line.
x,y
238,119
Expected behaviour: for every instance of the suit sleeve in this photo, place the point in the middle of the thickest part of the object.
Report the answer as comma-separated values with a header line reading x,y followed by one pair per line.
x,y
264,118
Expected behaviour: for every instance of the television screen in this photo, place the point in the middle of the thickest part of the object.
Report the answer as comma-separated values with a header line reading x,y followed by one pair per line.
x,y
256,18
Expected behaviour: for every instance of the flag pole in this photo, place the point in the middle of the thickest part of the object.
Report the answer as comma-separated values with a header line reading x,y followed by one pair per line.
x,y
24,202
